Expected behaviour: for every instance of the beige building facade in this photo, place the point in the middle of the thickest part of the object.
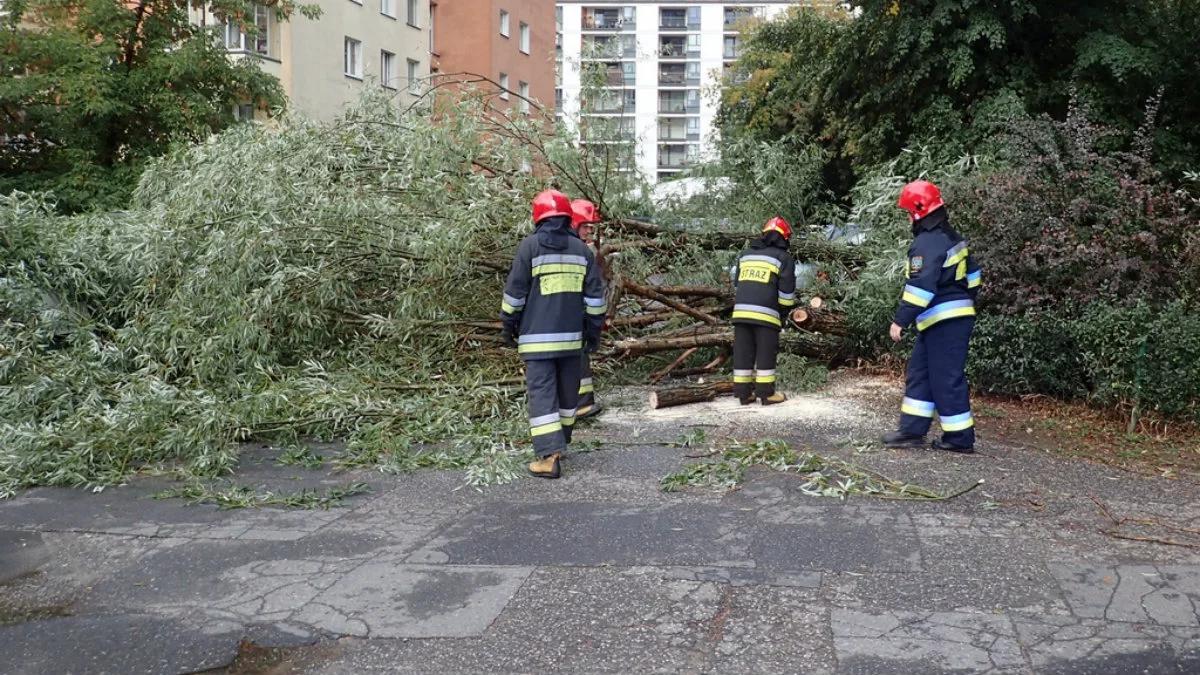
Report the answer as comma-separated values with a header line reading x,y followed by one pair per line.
x,y
324,63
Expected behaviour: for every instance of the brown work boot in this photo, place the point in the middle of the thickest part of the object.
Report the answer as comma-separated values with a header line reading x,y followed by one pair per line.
x,y
546,467
773,399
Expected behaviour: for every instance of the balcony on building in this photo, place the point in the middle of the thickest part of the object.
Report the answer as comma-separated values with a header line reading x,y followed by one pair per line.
x,y
611,102
679,47
678,19
258,39
732,75
737,16
679,74
679,102
676,156
679,129
608,47
608,19
614,74
608,130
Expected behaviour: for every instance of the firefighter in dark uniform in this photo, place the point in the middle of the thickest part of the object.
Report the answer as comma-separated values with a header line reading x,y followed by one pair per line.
x,y
552,311
939,298
584,216
765,279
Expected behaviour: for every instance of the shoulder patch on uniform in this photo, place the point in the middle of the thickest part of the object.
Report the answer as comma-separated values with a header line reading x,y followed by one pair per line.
x,y
916,263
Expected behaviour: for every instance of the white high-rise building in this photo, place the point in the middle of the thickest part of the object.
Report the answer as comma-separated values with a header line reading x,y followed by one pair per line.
x,y
661,63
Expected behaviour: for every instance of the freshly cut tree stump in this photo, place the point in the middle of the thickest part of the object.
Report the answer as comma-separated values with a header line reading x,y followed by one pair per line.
x,y
820,321
668,397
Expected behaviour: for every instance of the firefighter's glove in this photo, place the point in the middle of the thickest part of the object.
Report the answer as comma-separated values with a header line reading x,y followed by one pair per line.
x,y
509,340
591,343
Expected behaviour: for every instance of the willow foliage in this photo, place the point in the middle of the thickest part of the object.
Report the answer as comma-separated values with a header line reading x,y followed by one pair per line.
x,y
274,282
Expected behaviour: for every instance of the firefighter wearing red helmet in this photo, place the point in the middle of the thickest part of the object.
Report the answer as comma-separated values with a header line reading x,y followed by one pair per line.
x,y
584,216
552,311
939,299
765,282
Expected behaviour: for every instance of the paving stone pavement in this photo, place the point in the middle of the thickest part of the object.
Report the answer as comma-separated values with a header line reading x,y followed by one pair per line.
x,y
603,572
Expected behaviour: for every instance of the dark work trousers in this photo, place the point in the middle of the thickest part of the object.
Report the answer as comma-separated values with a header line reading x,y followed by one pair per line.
x,y
755,349
552,386
937,383
587,392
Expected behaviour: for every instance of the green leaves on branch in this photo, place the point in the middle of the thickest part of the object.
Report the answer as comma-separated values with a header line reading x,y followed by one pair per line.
x,y
821,476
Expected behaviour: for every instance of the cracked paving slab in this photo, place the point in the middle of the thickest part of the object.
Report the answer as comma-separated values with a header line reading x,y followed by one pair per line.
x,y
960,573
120,643
925,642
385,599
605,620
1164,595
246,581
1062,645
133,510
571,533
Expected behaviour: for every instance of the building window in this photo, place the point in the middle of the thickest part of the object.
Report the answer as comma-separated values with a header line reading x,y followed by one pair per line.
x,y
243,112
432,30
504,23
238,40
352,58
523,90
731,47
387,69
414,77
524,37
504,86
411,14
387,8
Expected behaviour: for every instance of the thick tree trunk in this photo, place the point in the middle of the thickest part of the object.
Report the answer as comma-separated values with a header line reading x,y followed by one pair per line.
x,y
667,397
820,321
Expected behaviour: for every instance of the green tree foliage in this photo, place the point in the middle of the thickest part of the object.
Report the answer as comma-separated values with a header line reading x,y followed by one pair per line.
x,y
277,282
893,73
90,89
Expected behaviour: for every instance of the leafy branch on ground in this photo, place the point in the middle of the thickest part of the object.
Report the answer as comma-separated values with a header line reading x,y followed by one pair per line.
x,y
243,497
822,476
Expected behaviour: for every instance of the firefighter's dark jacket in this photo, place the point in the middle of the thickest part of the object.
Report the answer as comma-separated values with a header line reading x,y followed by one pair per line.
x,y
943,277
765,277
554,298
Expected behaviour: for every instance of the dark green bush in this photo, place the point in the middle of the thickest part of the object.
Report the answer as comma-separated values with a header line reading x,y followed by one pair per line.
x,y
1107,354
1026,354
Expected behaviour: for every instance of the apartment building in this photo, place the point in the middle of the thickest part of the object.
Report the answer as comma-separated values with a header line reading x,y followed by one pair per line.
x,y
656,60
509,41
324,63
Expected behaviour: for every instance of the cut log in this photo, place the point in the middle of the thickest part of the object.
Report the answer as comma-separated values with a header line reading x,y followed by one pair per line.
x,y
667,397
653,344
643,319
811,345
651,294
816,302
820,321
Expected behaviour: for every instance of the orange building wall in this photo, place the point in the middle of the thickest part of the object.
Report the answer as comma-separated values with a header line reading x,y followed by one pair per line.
x,y
467,40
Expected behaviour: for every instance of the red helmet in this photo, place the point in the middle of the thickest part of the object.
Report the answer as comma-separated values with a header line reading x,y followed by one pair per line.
x,y
920,198
779,225
583,212
549,203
